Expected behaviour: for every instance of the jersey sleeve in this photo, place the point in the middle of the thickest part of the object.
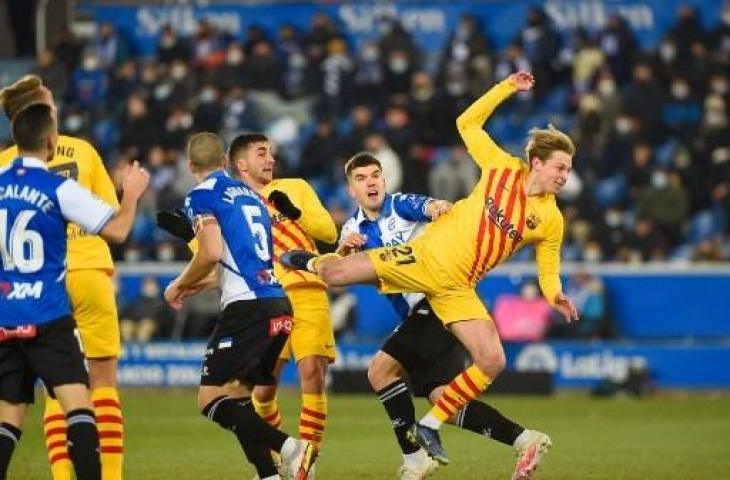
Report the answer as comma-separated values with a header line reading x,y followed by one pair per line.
x,y
315,219
199,203
548,259
411,206
81,207
101,183
471,125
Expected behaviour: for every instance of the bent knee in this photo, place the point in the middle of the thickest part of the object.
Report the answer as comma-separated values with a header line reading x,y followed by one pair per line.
x,y
383,370
491,363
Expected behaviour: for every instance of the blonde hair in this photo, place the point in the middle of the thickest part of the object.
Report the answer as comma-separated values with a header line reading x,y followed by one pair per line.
x,y
205,151
542,142
20,94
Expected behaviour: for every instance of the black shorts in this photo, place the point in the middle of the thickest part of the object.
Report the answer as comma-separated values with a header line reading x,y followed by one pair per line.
x,y
246,343
53,355
430,354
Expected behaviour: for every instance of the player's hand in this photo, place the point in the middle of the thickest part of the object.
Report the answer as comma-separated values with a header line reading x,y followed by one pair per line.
x,y
566,307
436,208
351,243
524,81
135,181
176,223
174,296
283,203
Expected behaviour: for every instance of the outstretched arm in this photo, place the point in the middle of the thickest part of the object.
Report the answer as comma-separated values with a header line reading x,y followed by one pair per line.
x,y
471,123
548,268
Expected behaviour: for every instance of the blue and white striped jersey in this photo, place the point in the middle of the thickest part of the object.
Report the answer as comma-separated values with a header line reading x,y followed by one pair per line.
x,y
35,206
402,218
246,229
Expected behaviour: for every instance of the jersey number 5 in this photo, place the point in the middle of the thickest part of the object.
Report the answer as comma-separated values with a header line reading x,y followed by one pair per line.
x,y
261,239
20,248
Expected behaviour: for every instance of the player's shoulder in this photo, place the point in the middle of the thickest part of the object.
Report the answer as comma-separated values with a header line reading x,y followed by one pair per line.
x,y
287,185
8,155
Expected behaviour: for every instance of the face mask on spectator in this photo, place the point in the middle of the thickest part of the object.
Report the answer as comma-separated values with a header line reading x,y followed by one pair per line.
x,y
73,123
163,91
456,89
207,95
297,60
91,63
178,71
719,85
150,288
659,180
167,41
165,253
398,64
680,90
715,118
726,16
370,53
623,125
422,93
606,87
592,254
667,51
613,218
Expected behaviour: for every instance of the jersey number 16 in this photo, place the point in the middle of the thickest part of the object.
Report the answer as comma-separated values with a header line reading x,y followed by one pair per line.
x,y
20,248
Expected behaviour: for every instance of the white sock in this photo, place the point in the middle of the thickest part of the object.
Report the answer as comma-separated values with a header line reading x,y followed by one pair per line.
x,y
290,448
430,421
273,477
415,458
522,439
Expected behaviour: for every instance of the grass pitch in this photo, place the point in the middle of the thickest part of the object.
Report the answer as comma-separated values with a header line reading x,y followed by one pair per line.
x,y
667,437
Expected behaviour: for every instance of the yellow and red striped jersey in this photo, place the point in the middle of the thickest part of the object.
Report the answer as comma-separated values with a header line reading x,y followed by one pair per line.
x,y
78,159
314,224
497,218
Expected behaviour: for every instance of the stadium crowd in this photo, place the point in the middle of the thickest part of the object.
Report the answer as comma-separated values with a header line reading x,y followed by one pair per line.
x,y
652,172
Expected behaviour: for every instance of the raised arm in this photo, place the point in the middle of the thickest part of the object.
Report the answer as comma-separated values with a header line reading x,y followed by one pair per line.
x,y
471,123
548,269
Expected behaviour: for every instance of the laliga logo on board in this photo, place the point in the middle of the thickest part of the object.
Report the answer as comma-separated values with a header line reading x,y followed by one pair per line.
x,y
537,358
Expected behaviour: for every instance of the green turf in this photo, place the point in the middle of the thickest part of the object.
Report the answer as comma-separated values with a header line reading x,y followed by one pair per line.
x,y
669,437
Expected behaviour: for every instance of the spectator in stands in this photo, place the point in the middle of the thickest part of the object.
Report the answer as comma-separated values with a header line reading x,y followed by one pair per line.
x,y
666,203
89,83
361,117
208,114
263,69
426,108
638,173
541,45
687,30
453,177
369,75
124,81
644,243
171,47
682,111
147,316
524,317
589,295
138,131
643,99
337,72
110,47
620,47
232,72
67,49
52,72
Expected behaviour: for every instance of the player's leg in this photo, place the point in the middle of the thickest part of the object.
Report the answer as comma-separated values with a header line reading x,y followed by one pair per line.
x,y
81,431
481,340
11,426
313,346
92,299
335,270
264,397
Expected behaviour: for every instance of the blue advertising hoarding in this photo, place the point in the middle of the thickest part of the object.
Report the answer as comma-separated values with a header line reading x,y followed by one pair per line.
x,y
573,364
430,22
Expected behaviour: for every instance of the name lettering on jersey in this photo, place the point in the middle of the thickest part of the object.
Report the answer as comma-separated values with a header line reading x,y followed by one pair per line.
x,y
21,290
231,193
397,239
31,195
497,217
65,151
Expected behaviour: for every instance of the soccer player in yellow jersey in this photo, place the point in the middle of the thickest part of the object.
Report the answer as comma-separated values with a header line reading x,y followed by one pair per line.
x,y
512,205
90,288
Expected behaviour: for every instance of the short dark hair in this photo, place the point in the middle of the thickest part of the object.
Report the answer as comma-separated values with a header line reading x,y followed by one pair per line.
x,y
242,142
362,159
32,126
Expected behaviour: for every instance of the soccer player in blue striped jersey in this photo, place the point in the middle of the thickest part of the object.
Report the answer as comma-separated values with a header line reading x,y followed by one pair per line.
x,y
233,230
36,327
420,347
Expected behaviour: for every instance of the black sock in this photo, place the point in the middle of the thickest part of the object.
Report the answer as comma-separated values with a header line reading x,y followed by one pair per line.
x,y
396,398
256,436
9,436
83,444
485,420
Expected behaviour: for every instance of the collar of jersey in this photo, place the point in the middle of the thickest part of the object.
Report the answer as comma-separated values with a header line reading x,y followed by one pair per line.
x,y
32,162
217,173
385,210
